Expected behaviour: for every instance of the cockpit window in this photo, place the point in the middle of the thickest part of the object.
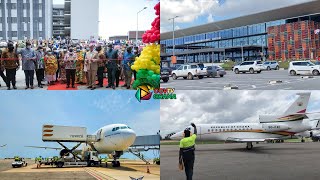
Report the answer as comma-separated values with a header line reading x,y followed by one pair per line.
x,y
122,127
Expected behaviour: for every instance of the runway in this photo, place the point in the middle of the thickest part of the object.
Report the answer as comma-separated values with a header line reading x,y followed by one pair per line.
x,y
294,161
133,168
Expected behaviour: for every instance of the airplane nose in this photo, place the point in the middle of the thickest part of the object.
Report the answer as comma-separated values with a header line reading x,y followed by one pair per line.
x,y
130,137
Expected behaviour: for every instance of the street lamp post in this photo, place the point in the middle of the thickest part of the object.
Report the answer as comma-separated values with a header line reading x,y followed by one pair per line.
x,y
242,51
173,33
138,25
262,48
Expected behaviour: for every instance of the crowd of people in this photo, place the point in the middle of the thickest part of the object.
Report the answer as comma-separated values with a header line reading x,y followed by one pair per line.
x,y
68,63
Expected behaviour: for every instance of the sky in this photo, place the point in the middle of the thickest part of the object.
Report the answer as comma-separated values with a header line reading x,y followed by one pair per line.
x,y
119,17
196,12
23,113
210,107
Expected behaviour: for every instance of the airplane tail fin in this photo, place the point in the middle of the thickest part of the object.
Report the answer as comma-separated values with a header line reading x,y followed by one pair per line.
x,y
296,111
299,105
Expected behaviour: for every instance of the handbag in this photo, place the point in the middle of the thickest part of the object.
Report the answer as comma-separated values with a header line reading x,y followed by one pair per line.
x,y
181,166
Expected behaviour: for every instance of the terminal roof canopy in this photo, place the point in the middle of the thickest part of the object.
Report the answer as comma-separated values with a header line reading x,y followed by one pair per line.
x,y
298,10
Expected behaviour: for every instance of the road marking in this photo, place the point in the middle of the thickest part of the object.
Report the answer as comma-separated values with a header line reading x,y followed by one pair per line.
x,y
98,175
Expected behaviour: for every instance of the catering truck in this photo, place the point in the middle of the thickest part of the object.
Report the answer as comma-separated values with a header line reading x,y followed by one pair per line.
x,y
71,157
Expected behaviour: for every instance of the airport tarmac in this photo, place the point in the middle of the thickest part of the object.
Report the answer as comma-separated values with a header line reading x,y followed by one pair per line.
x,y
248,82
134,169
294,161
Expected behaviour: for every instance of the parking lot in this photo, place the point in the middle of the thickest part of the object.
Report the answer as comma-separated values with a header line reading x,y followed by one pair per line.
x,y
248,82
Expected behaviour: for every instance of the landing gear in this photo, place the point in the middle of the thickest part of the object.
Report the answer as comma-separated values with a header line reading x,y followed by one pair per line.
x,y
115,163
249,145
302,140
116,156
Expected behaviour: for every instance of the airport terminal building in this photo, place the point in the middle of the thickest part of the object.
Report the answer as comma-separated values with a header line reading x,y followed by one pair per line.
x,y
283,34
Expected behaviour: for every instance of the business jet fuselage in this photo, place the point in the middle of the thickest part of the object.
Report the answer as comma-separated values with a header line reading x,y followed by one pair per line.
x,y
270,127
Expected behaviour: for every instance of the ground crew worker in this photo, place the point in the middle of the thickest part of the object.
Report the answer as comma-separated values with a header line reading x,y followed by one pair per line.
x,y
186,153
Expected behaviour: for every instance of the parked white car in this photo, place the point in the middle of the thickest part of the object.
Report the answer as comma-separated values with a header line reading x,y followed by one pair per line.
x,y
248,66
269,65
189,72
303,68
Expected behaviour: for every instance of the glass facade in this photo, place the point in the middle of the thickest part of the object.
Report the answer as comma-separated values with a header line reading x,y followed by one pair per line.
x,y
247,41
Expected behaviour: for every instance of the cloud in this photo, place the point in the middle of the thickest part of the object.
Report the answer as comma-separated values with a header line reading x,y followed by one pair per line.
x,y
207,107
210,18
192,10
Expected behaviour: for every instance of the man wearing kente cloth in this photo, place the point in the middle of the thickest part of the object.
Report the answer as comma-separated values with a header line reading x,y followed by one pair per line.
x,y
80,74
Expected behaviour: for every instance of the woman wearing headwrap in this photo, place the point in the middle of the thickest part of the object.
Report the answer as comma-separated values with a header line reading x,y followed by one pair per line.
x,y
51,66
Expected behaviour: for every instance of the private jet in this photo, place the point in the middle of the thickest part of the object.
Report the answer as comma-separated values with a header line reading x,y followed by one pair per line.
x,y
270,127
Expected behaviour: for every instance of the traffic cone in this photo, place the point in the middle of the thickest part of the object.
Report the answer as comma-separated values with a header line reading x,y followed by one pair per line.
x,y
148,170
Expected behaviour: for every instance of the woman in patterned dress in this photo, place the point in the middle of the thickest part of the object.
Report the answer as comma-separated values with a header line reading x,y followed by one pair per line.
x,y
51,67
63,78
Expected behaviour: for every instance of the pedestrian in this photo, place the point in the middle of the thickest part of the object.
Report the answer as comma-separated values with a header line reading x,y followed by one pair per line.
x,y
57,56
137,54
112,67
186,153
70,60
40,66
92,66
11,64
51,66
80,74
28,56
127,62
101,65
62,74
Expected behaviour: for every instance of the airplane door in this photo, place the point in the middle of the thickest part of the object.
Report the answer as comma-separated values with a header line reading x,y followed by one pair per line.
x,y
99,135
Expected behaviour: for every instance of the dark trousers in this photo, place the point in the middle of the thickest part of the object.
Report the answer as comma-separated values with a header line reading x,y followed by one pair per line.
x,y
40,75
3,77
117,75
29,75
134,75
100,75
188,161
111,76
71,75
11,77
57,73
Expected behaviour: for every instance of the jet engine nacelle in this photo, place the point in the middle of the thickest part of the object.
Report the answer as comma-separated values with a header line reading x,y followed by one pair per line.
x,y
273,127
64,152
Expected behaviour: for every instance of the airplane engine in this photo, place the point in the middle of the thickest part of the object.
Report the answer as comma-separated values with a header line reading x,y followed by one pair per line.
x,y
64,152
273,127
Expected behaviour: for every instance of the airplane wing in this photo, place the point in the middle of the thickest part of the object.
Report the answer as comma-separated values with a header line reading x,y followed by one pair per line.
x,y
245,139
42,147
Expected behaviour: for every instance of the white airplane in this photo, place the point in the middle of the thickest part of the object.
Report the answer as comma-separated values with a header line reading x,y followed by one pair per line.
x,y
112,140
271,127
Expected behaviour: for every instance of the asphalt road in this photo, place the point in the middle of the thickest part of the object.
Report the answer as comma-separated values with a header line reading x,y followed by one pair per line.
x,y
294,161
247,82
134,169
